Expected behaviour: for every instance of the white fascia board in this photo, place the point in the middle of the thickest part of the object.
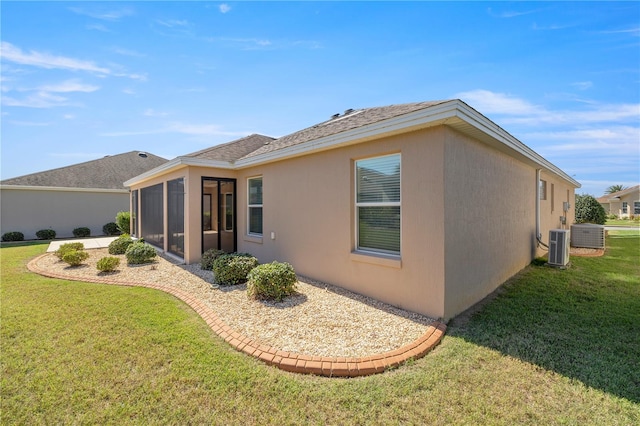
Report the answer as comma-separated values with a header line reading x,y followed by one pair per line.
x,y
62,189
401,124
175,164
482,123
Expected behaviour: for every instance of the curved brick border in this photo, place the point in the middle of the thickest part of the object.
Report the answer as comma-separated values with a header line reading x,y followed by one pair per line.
x,y
324,366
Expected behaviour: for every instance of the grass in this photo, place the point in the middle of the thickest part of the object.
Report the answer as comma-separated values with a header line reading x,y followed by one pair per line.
x,y
553,347
623,222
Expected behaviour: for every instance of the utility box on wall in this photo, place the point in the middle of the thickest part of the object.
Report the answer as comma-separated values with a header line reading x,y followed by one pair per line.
x,y
559,247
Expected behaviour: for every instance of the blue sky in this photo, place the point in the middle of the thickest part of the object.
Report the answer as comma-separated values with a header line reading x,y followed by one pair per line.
x,y
81,80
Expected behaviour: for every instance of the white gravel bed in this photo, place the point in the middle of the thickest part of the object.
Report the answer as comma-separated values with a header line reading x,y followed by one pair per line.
x,y
320,320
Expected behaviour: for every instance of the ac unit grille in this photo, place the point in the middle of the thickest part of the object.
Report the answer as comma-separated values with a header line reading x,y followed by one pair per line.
x,y
587,235
558,247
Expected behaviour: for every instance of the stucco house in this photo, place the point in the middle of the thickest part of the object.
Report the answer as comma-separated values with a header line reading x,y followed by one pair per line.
x,y
427,206
625,203
88,194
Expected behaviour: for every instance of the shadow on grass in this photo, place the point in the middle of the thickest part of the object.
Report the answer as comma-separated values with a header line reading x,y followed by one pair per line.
x,y
582,323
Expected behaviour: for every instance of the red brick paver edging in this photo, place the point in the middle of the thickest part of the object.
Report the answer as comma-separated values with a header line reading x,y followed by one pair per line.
x,y
289,361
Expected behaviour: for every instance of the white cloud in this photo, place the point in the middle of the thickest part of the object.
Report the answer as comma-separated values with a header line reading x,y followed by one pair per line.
x,y
224,8
171,23
103,14
497,103
37,100
11,53
509,13
29,123
582,85
97,27
181,128
153,113
127,52
69,86
69,116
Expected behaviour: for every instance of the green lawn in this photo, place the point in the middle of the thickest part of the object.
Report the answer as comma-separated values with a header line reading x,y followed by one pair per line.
x,y
622,222
555,347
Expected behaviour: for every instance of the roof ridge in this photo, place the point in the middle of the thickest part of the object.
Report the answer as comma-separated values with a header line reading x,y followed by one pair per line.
x,y
235,141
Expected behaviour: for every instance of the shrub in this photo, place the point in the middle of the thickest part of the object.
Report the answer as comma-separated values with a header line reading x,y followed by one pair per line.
x,y
120,244
65,248
272,281
139,252
46,234
13,236
589,210
110,229
83,231
208,257
123,221
108,264
230,269
75,257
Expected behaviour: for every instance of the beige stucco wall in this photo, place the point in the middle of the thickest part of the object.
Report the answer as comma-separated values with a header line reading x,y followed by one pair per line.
x,y
309,206
615,206
482,200
29,210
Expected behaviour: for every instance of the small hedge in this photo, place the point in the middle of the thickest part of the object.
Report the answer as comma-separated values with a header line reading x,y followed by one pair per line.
x,y
108,264
81,232
208,257
120,244
75,257
46,234
123,222
65,248
230,269
139,252
272,281
110,229
13,236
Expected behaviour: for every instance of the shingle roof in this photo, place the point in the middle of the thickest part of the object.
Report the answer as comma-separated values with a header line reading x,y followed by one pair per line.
x,y
234,150
607,197
105,173
351,119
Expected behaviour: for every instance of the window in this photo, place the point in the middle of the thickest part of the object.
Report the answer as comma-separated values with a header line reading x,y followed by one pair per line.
x,y
134,212
553,190
151,214
254,206
625,207
636,207
378,204
543,189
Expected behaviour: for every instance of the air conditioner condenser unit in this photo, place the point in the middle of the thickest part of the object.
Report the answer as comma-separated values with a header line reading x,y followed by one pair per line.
x,y
559,247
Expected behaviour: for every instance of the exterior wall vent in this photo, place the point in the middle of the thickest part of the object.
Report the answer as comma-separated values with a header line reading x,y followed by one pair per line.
x,y
587,235
559,247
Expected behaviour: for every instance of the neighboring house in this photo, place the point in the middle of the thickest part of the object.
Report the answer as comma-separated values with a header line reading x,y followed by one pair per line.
x,y
87,194
427,206
625,203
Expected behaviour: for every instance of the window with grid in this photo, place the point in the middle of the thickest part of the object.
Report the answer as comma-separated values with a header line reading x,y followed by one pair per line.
x,y
378,204
254,206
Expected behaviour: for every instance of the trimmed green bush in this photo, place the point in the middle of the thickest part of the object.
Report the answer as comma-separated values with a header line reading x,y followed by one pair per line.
x,y
208,257
230,269
46,234
120,244
272,281
81,232
139,252
65,248
589,210
75,257
123,221
108,264
110,229
13,236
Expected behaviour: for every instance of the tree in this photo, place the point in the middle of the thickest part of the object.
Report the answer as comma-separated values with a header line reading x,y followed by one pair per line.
x,y
589,210
614,188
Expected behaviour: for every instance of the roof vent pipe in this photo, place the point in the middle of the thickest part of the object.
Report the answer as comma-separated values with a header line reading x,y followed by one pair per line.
x,y
349,111
335,116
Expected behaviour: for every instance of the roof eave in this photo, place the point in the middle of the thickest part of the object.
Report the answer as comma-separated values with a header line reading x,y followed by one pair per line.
x,y
175,164
63,189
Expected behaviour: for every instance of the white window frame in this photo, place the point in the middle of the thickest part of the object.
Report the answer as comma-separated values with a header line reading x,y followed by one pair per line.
x,y
376,204
250,206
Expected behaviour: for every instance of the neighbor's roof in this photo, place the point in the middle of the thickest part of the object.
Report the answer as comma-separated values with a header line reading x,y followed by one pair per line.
x,y
105,173
357,126
608,197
